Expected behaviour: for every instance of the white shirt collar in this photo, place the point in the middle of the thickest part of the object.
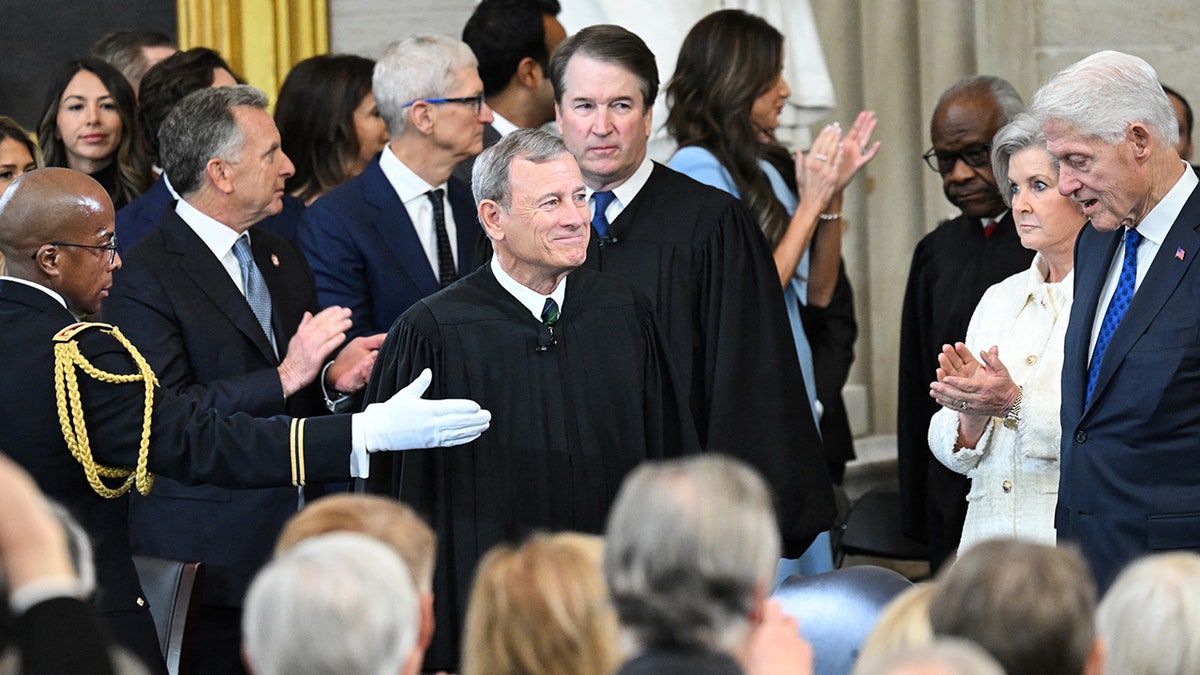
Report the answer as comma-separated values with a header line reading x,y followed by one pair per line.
x,y
502,125
170,188
1158,222
625,192
407,184
217,236
531,299
48,291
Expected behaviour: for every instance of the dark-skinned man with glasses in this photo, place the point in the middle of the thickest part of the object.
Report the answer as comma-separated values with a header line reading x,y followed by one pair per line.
x,y
951,268
404,228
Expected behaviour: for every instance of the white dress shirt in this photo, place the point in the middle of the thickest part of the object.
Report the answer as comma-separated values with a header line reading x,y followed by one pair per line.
x,y
412,190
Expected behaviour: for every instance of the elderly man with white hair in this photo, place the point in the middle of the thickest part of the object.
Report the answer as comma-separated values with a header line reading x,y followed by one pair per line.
x,y
336,603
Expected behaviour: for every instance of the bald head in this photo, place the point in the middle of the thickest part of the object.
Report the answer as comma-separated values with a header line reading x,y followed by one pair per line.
x,y
48,205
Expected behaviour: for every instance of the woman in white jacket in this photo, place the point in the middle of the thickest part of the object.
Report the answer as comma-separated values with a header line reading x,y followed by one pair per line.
x,y
999,423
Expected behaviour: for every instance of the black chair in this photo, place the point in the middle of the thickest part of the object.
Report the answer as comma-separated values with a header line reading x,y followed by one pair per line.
x,y
838,609
172,588
873,528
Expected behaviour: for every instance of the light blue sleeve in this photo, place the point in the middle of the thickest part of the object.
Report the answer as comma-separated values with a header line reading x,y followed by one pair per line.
x,y
699,164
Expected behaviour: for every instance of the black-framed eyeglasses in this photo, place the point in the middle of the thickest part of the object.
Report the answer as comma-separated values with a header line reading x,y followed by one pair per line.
x,y
976,156
476,100
111,247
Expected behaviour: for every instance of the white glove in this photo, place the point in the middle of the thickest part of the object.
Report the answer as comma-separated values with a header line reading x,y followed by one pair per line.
x,y
406,421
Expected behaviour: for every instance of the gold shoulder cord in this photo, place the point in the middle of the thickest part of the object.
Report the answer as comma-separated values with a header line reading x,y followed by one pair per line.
x,y
66,357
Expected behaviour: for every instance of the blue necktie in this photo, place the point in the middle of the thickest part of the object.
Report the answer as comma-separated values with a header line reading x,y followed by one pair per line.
x,y
257,295
1121,298
599,220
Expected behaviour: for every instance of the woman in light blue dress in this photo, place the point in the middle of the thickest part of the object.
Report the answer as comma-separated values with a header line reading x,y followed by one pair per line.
x,y
726,97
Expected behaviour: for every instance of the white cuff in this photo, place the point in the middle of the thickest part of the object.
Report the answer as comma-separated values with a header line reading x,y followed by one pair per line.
x,y
36,592
360,461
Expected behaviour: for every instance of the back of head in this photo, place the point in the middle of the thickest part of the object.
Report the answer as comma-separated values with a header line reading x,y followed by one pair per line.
x,y
610,44
502,33
201,127
168,82
1150,617
386,520
902,626
690,544
414,68
124,50
1031,606
946,656
338,603
1101,95
315,116
540,608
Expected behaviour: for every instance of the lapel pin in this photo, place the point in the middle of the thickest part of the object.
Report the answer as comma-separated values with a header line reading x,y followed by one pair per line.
x,y
1179,253
275,258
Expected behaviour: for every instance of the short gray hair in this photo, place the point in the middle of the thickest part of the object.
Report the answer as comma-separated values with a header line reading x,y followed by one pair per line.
x,y
1001,90
413,68
490,175
688,542
1103,94
336,603
1021,133
201,127
1150,618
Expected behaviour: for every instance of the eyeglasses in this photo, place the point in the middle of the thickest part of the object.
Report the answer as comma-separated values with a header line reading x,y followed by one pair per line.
x,y
975,156
476,100
111,247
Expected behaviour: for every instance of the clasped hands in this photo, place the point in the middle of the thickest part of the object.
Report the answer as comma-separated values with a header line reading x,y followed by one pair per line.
x,y
969,386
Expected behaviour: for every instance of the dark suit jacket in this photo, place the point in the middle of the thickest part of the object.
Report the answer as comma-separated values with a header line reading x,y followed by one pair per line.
x,y
365,252
188,442
463,170
1130,476
174,299
139,218
40,634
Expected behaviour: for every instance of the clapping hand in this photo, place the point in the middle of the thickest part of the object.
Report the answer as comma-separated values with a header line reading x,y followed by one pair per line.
x,y
969,386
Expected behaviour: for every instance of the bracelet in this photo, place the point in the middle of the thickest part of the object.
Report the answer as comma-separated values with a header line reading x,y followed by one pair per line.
x,y
1014,413
829,216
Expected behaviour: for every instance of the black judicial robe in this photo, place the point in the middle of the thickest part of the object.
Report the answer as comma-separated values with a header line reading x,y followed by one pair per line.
x,y
568,423
951,268
697,254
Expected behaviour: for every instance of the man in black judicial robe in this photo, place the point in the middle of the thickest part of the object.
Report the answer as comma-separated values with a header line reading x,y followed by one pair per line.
x,y
698,255
951,268
569,361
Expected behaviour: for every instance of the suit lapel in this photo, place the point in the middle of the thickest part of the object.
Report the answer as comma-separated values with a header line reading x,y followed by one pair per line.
x,y
395,227
1160,282
467,224
204,270
1093,255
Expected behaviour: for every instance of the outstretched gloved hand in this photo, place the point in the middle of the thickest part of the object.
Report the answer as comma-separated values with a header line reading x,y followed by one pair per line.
x,y
406,421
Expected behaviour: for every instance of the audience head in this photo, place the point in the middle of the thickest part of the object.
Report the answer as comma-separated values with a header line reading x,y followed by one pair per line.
x,y
221,150
946,656
336,603
387,520
541,608
1031,606
726,96
902,626
133,52
690,552
90,122
418,69
69,207
1113,131
1150,618
18,153
533,206
966,117
173,78
605,82
513,40
329,122
1183,113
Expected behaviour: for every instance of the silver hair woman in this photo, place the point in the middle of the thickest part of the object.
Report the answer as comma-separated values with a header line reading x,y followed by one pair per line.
x,y
1150,618
999,423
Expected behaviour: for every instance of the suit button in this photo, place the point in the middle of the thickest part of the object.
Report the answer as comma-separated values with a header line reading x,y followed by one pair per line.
x,y
1080,436
1006,486
1031,359
141,602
